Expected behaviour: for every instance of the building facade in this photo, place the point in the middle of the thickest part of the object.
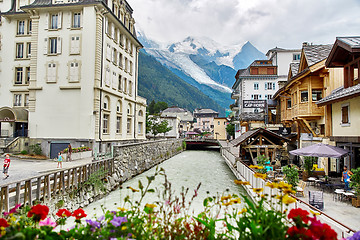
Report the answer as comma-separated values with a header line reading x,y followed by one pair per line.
x,y
343,102
185,116
204,120
220,128
72,71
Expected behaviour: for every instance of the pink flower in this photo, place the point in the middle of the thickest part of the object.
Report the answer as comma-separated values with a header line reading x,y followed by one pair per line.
x,y
47,222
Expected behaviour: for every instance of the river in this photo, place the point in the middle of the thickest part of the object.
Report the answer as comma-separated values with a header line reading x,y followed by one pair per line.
x,y
187,169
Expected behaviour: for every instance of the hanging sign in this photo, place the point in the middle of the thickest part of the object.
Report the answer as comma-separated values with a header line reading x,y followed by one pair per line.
x,y
254,103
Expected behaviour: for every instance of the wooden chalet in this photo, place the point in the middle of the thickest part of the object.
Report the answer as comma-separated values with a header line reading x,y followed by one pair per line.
x,y
258,142
308,82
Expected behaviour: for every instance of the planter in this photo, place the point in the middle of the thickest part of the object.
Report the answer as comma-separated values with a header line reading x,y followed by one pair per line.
x,y
78,155
355,202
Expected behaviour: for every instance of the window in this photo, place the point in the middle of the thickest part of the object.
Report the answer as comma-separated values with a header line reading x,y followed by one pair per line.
x,y
126,65
114,56
268,96
218,122
107,77
125,85
108,52
118,107
128,126
121,60
118,124
26,100
304,96
256,86
296,57
76,20
74,72
288,103
19,75
130,87
54,21
114,80
53,45
106,123
21,28
269,86
131,68
28,50
121,40
129,109
316,95
19,50
140,127
29,27
17,100
106,103
51,72
140,113
345,119
75,45
27,75
255,96
119,83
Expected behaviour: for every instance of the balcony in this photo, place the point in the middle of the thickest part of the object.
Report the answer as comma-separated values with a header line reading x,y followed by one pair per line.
x,y
235,94
234,107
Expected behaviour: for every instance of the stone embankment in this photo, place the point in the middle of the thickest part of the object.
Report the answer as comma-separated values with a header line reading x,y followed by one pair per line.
x,y
129,160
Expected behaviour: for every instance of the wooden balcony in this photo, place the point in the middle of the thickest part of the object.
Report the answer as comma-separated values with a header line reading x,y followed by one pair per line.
x,y
302,110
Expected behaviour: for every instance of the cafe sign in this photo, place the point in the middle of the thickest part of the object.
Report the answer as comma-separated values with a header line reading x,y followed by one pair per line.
x,y
6,119
254,103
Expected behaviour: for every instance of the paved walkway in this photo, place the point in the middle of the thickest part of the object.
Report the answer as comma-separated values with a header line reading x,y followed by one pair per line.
x,y
27,168
341,211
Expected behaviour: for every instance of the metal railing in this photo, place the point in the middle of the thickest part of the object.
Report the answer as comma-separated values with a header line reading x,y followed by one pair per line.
x,y
43,187
243,172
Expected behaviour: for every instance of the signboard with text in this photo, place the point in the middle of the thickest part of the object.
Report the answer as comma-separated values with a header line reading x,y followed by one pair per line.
x,y
254,103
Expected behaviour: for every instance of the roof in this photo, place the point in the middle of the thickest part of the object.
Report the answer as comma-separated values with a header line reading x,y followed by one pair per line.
x,y
345,50
339,94
294,68
277,49
175,109
316,53
243,137
205,110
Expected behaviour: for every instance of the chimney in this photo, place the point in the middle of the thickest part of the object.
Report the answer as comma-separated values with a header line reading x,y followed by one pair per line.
x,y
305,44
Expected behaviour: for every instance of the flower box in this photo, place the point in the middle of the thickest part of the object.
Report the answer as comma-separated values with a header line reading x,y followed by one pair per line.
x,y
78,155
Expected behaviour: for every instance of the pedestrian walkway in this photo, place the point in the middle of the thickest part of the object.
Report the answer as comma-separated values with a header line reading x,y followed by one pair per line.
x,y
341,211
27,168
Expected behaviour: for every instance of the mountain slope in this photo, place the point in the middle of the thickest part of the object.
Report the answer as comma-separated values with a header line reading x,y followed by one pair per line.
x,y
158,83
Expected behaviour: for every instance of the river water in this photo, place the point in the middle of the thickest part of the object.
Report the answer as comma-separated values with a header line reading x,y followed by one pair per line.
x,y
186,169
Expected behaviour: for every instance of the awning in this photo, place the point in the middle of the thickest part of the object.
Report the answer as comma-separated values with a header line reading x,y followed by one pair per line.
x,y
8,114
320,150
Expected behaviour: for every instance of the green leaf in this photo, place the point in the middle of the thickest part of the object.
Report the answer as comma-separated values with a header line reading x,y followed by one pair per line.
x,y
151,190
140,185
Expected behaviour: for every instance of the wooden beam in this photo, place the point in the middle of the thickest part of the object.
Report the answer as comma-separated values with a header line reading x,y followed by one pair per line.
x,y
308,126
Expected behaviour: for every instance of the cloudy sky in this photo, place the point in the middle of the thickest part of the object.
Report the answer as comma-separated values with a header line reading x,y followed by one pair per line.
x,y
265,23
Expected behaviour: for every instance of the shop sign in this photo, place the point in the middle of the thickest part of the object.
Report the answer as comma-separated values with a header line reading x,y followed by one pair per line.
x,y
254,103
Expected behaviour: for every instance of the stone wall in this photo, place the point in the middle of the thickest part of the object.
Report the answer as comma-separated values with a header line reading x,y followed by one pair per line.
x,y
129,161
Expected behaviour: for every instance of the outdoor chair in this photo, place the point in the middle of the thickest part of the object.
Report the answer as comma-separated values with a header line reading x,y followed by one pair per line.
x,y
338,193
300,188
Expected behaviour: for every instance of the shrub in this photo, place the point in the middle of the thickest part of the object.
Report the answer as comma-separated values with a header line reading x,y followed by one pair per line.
x,y
24,152
36,149
291,175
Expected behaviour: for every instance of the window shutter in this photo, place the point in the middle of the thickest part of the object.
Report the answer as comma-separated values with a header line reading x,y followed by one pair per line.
x,y
45,46
260,96
70,19
59,20
106,25
72,44
46,21
77,44
58,50
265,86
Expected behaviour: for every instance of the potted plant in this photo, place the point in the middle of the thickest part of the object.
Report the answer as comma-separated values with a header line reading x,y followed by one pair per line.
x,y
355,184
291,175
308,167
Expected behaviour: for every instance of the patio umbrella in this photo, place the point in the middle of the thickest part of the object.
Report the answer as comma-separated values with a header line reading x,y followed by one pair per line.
x,y
191,133
320,150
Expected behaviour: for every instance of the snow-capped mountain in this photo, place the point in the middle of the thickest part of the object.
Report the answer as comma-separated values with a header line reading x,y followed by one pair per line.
x,y
204,63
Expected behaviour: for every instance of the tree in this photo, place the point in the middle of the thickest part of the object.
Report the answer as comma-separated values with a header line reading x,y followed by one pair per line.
x,y
230,129
156,107
151,107
164,127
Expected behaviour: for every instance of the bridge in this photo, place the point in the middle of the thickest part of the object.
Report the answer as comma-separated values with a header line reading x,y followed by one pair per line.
x,y
201,142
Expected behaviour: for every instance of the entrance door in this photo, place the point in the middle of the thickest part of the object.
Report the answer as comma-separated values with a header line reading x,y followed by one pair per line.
x,y
20,129
55,148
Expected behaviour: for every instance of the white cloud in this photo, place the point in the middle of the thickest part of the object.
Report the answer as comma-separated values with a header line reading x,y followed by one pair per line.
x,y
265,23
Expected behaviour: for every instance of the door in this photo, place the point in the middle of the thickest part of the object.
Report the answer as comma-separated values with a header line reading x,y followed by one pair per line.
x,y
55,148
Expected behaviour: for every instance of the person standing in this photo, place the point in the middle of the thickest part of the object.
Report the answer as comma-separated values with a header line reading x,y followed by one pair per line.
x,y
346,174
68,157
60,160
6,165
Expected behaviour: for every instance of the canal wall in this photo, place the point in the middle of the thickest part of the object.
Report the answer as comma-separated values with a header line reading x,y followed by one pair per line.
x,y
79,186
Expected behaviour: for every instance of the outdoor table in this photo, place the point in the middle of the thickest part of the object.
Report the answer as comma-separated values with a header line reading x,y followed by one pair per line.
x,y
311,180
348,195
338,194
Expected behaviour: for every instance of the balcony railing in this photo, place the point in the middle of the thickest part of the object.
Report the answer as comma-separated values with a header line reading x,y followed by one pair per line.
x,y
235,94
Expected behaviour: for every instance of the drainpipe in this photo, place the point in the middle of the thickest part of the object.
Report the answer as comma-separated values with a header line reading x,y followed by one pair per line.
x,y
101,81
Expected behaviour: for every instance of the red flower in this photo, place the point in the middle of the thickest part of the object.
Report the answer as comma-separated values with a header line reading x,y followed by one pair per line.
x,y
39,212
3,223
79,214
298,213
322,231
299,233
63,213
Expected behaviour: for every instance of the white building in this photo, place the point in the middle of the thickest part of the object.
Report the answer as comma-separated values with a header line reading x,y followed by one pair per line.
x,y
70,67
260,81
186,118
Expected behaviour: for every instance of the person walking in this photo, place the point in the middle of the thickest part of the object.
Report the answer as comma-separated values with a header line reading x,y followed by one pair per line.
x,y
68,156
6,165
60,160
346,174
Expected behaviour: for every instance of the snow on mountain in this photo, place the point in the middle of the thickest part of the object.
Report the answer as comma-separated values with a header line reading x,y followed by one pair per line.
x,y
210,55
